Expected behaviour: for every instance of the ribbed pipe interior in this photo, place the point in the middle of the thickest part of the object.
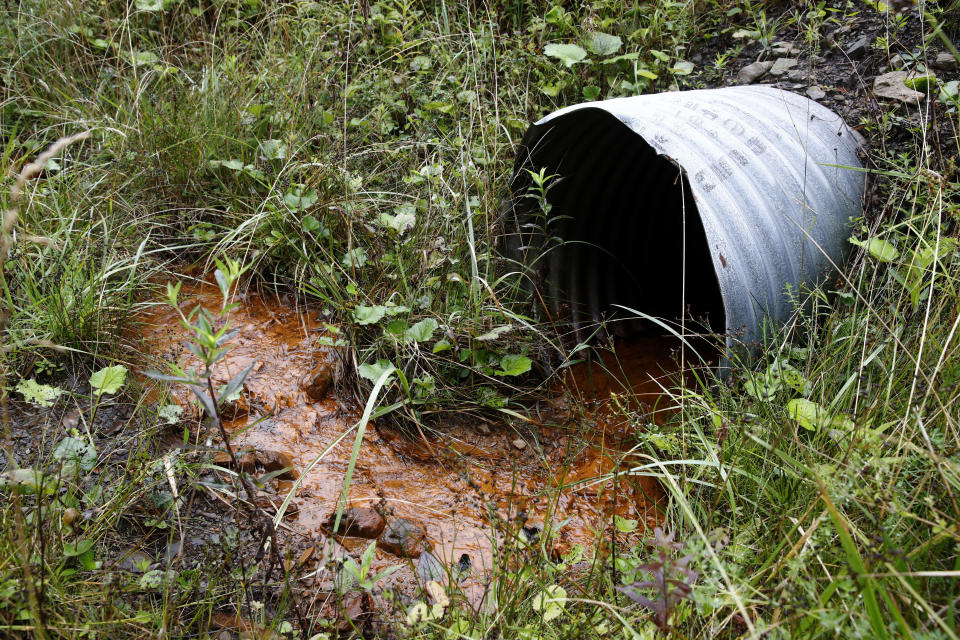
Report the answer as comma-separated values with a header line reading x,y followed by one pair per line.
x,y
624,229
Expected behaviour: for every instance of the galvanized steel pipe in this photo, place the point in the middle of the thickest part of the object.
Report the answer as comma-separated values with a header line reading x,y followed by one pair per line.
x,y
732,196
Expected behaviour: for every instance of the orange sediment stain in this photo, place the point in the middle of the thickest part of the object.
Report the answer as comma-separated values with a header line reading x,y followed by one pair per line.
x,y
571,473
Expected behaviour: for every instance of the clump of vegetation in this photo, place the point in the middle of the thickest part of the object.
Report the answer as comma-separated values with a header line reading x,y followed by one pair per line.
x,y
354,155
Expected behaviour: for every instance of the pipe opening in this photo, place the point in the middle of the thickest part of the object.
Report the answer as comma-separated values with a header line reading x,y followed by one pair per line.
x,y
619,228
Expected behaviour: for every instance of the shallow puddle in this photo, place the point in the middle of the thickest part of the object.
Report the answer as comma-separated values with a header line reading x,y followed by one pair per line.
x,y
449,482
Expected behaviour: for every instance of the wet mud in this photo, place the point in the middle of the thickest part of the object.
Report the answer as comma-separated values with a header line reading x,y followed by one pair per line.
x,y
565,472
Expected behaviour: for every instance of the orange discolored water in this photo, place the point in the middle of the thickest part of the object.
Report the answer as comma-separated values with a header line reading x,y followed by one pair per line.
x,y
452,479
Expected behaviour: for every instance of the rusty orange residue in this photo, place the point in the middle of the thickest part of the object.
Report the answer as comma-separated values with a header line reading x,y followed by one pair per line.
x,y
450,483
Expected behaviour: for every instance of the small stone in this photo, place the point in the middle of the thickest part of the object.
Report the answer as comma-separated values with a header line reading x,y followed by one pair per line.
x,y
358,522
520,444
484,428
225,634
275,461
859,48
174,550
784,49
946,61
354,608
891,86
797,74
404,538
753,72
245,459
318,382
898,62
134,561
816,93
782,65
71,420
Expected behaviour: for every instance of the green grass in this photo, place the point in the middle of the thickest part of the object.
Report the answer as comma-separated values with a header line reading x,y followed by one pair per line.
x,y
355,155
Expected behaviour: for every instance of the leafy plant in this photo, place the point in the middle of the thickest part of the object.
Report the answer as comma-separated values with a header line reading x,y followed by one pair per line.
x,y
671,580
359,574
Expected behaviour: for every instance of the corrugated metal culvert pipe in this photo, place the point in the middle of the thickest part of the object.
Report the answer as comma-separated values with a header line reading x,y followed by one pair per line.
x,y
705,204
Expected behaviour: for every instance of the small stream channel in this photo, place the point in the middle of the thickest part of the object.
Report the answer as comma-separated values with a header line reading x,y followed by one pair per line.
x,y
446,485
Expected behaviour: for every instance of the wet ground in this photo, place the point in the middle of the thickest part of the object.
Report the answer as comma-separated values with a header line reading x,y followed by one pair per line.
x,y
455,480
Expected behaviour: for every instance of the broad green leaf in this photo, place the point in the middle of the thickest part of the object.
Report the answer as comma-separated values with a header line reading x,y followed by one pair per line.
x,y
603,44
233,165
402,222
109,379
273,149
682,68
569,54
660,55
27,481
514,365
807,414
149,5
395,309
422,331
813,416
625,525
442,345
626,56
591,92
42,395
77,548
364,315
311,225
372,372
397,328
139,58
356,257
879,248
77,452
300,198
495,333
550,602
555,15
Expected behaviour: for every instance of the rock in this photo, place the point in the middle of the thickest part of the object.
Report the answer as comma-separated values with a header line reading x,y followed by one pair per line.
x,y
859,48
245,459
358,522
753,72
797,74
271,504
898,62
354,609
71,420
784,49
135,561
174,551
275,461
520,444
484,428
782,65
945,61
318,382
816,93
404,538
891,86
